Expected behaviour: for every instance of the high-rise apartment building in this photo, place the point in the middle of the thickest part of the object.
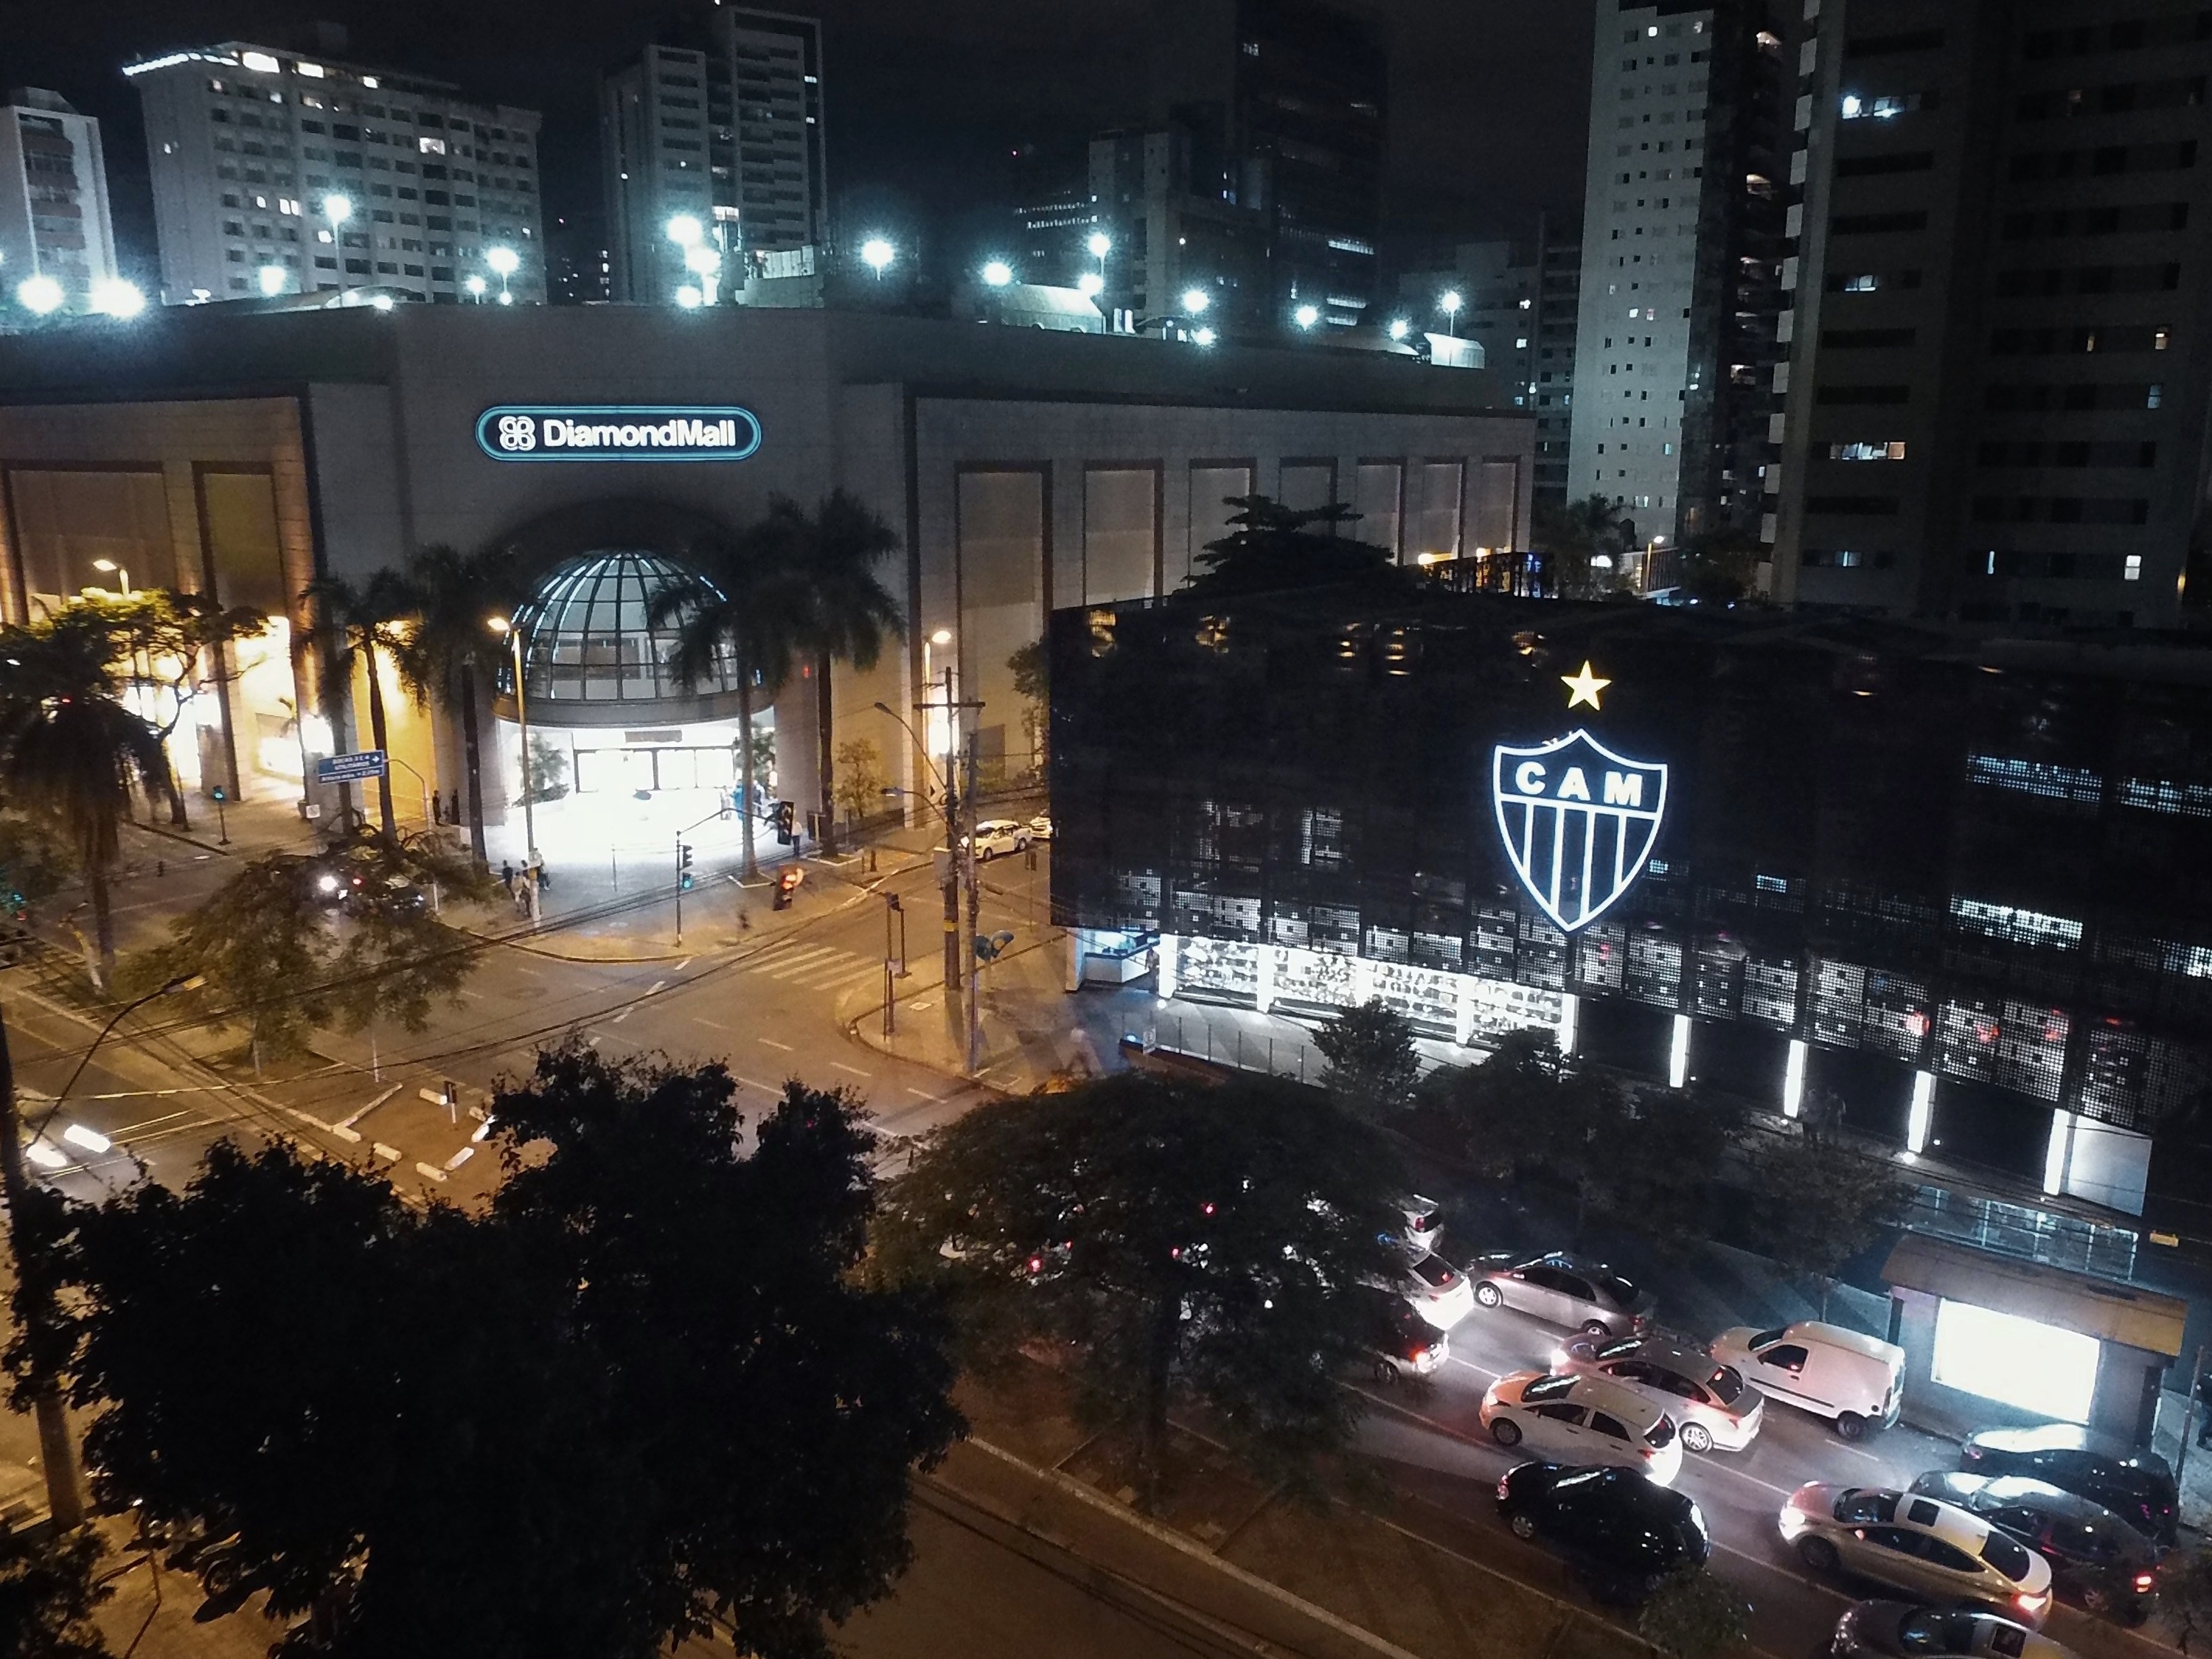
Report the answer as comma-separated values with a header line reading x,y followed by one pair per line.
x,y
1559,306
53,196
2002,312
722,123
1282,104
278,173
1682,251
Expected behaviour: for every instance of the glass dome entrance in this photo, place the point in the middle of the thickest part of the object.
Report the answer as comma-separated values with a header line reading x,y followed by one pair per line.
x,y
593,656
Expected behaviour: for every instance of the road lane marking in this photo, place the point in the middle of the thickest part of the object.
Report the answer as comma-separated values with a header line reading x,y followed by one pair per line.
x,y
1856,1452
773,1043
653,989
925,1094
533,972
680,967
623,1016
866,971
1481,1370
775,961
700,1019
855,1070
1714,1463
835,961
765,1087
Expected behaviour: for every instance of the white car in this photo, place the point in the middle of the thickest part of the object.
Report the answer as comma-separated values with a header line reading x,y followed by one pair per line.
x,y
1433,1288
995,836
1933,1550
1582,1420
1041,827
1712,1403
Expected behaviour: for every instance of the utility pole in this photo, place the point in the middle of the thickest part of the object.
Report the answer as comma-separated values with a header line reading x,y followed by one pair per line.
x,y
35,1289
974,924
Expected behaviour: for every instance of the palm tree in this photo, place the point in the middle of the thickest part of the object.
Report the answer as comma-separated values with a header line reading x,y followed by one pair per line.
x,y
452,597
71,753
354,622
849,610
752,625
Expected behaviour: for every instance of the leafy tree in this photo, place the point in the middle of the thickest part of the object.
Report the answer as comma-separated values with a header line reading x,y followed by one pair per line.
x,y
1182,1240
679,1402
48,1588
1372,1063
1274,547
71,753
452,597
849,611
753,628
1528,1107
1659,1177
1721,565
1816,1204
860,778
1573,538
549,769
1032,667
1695,1614
353,624
33,862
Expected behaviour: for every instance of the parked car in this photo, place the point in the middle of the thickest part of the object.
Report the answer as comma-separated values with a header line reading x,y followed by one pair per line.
x,y
1855,1381
1583,1420
995,836
1906,1629
1433,1288
1711,1402
1622,1531
1405,1344
1425,1221
2133,1483
1563,1290
1918,1544
2097,1560
1041,827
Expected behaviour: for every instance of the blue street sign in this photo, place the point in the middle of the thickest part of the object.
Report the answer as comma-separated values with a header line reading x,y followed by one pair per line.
x,y
351,769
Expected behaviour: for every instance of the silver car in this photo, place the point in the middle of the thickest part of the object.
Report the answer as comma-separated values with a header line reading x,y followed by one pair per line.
x,y
1563,1290
1900,1630
1712,1403
1930,1548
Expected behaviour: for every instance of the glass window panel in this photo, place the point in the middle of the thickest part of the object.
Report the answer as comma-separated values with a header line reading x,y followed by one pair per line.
x,y
1120,533
1378,489
1211,487
1436,528
68,519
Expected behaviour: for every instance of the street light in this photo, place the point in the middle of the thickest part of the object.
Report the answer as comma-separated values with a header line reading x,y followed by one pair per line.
x,y
338,208
1204,337
1307,315
504,263
272,278
690,297
1195,300
997,273
685,230
877,254
1090,285
118,297
1400,328
108,567
39,295
1449,302
1100,245
476,285
500,625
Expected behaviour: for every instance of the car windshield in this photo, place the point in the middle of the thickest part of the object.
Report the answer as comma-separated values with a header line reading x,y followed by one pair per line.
x,y
2006,1556
1856,1505
1928,1631
1435,1272
1614,1289
1761,1339
1727,1384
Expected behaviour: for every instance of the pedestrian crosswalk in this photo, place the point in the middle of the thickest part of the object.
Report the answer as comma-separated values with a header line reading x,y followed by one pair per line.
x,y
816,967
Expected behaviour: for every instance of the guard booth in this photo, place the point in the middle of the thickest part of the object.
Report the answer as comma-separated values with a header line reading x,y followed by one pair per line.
x,y
1992,1341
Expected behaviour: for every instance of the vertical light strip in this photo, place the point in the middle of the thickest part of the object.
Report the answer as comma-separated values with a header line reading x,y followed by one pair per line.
x,y
1167,978
1793,1079
1923,1113
1677,1053
1567,1009
1264,993
2057,1153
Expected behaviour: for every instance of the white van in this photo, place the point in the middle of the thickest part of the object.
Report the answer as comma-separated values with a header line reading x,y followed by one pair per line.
x,y
1855,1381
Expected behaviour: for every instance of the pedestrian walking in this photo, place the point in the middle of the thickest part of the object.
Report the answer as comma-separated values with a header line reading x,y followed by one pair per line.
x,y
506,876
2204,1405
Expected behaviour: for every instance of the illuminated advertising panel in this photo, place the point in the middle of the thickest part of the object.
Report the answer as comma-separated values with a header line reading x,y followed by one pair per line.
x,y
2015,1361
520,432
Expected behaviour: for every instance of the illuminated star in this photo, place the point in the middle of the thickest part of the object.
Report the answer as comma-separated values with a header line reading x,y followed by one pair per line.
x,y
1584,687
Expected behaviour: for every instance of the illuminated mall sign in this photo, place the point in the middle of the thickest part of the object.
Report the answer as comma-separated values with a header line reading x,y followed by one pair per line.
x,y
1578,820
647,432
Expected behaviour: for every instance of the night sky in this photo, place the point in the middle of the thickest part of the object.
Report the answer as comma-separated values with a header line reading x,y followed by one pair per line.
x,y
1489,98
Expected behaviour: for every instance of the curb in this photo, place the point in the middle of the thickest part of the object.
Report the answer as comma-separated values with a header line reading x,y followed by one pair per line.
x,y
875,1044
1087,1495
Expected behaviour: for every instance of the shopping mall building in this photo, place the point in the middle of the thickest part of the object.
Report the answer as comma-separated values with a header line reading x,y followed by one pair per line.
x,y
1965,884
243,454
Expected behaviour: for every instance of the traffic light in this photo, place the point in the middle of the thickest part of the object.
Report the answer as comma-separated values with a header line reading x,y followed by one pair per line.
x,y
786,816
684,864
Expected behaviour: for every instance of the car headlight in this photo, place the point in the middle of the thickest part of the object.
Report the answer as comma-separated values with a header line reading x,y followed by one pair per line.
x,y
1793,1521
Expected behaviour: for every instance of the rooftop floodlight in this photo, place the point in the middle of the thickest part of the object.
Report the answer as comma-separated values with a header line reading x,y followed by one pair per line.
x,y
1307,316
1195,300
877,254
272,280
997,273
685,230
39,294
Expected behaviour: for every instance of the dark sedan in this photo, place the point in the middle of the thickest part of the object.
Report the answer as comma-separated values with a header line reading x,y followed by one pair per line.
x,y
2134,1484
1621,1530
2097,1561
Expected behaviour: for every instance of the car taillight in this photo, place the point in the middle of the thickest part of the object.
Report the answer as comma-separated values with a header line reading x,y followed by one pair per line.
x,y
1505,1487
2144,1580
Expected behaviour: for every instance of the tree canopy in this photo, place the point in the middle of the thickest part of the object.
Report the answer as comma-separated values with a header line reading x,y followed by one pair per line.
x,y
1183,1241
1816,1203
1274,547
645,1387
1372,1063
48,1590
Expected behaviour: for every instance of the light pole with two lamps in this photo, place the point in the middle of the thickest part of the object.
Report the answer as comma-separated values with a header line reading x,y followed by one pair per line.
x,y
503,626
504,263
337,208
1448,302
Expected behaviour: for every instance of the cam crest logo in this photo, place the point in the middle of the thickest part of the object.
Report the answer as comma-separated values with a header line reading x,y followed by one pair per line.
x,y
1578,822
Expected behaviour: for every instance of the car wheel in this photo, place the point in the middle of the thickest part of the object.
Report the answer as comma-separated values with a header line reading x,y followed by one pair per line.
x,y
1506,1431
1523,1526
1385,1373
1818,1554
1596,1328
1697,1437
2096,1599
1488,1294
1851,1426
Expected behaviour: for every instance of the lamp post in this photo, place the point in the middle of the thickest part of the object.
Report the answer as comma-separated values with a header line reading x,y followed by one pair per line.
x,y
997,273
39,294
514,635
877,254
476,286
1100,245
504,263
108,567
1450,303
338,208
1306,316
957,865
271,279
